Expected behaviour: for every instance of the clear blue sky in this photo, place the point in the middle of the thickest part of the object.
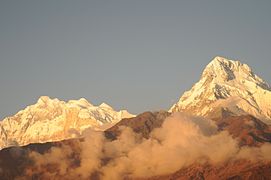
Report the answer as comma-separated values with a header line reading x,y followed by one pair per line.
x,y
140,55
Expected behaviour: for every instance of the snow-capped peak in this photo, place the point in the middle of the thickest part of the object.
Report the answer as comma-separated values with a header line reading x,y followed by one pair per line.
x,y
104,105
44,100
53,120
85,102
222,70
81,102
230,85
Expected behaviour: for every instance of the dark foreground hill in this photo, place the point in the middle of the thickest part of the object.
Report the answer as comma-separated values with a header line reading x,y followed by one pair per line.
x,y
15,161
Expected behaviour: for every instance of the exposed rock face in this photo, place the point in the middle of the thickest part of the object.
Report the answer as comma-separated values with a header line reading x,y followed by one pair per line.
x,y
15,160
142,124
228,85
249,130
237,170
55,120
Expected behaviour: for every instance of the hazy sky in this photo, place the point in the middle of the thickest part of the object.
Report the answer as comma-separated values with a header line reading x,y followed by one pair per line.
x,y
140,55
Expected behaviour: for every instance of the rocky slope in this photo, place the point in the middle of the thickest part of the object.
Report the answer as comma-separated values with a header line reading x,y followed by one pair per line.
x,y
238,170
142,124
55,120
230,86
249,130
16,163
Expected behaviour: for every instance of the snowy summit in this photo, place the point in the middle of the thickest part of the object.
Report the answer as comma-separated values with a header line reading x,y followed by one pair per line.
x,y
227,85
54,120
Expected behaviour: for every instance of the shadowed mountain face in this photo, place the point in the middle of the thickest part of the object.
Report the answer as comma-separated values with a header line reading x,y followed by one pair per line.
x,y
248,129
238,170
142,124
15,161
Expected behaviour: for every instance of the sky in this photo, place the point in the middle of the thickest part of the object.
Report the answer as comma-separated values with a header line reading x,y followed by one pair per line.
x,y
138,55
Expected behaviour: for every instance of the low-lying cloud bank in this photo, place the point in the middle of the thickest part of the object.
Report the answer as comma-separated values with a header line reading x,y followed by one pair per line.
x,y
181,141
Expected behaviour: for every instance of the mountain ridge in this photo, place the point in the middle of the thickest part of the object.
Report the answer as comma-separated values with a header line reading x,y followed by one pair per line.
x,y
54,120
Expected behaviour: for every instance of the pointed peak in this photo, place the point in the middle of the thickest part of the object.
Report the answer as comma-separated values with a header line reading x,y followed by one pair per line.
x,y
222,82
225,69
222,61
228,63
104,105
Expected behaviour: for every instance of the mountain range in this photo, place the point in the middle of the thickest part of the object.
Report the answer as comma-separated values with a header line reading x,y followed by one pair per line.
x,y
54,120
229,106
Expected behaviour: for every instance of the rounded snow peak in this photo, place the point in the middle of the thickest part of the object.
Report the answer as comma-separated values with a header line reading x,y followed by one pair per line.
x,y
85,102
104,105
46,100
43,99
82,102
